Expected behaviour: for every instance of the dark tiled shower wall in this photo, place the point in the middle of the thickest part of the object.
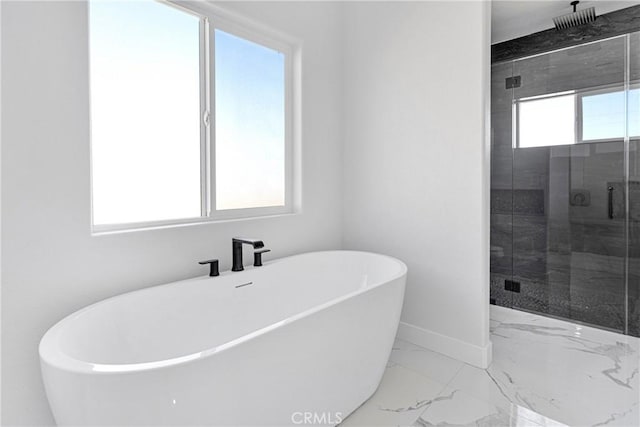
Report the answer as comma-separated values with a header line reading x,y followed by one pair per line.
x,y
568,259
550,228
608,25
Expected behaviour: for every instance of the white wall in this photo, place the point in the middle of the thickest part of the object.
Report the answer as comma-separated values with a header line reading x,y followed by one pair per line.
x,y
416,161
52,266
0,218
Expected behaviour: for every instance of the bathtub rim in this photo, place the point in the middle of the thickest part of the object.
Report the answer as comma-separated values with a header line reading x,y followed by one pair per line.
x,y
51,354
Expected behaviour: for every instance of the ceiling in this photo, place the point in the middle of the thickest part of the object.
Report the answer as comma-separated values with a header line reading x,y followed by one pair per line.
x,y
513,18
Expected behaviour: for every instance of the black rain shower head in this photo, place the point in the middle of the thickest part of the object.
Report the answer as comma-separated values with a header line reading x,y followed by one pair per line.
x,y
577,17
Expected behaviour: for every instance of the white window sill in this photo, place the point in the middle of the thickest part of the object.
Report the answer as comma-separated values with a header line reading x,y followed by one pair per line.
x,y
107,230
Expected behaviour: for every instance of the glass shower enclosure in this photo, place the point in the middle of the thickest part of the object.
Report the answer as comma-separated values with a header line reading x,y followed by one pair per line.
x,y
565,184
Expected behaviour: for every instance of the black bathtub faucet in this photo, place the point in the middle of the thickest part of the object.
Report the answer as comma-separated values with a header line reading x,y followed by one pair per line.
x,y
237,243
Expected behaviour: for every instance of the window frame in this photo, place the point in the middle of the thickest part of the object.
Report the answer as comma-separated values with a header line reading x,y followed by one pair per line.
x,y
213,18
578,95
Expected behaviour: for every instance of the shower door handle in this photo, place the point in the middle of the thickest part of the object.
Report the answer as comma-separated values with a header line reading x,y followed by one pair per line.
x,y
610,198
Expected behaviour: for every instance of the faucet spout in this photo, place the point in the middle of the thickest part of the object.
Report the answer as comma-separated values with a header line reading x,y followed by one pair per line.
x,y
257,244
237,243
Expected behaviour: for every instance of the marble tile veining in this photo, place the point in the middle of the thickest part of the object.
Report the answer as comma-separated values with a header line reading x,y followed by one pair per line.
x,y
401,397
545,372
573,374
460,408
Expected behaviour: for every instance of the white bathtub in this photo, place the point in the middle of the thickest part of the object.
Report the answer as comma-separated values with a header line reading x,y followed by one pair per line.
x,y
304,338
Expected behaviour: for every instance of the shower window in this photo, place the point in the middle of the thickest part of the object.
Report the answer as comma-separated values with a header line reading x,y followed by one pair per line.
x,y
544,121
603,115
576,117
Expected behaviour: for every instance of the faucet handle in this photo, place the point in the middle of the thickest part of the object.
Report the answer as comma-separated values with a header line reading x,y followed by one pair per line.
x,y
257,257
214,267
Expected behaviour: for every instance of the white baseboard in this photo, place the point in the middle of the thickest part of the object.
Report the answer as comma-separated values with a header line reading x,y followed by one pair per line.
x,y
452,347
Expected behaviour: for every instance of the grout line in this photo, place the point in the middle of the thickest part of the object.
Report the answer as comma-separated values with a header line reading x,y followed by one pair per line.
x,y
441,392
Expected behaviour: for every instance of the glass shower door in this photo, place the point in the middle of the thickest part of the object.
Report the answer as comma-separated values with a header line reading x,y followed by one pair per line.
x,y
569,186
501,267
633,130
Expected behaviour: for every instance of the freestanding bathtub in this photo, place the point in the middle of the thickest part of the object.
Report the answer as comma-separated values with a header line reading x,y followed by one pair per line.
x,y
301,340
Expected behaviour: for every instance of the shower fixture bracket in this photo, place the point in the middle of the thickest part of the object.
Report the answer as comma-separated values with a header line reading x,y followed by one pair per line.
x,y
513,82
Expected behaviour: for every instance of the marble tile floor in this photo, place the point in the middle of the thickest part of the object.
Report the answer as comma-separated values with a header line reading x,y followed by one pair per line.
x,y
545,372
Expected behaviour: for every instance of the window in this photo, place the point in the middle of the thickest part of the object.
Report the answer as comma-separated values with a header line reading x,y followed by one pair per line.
x,y
250,127
603,114
546,121
190,116
576,117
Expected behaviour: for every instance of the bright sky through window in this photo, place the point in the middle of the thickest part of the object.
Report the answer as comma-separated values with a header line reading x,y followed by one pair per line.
x,y
547,121
145,112
603,115
250,124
